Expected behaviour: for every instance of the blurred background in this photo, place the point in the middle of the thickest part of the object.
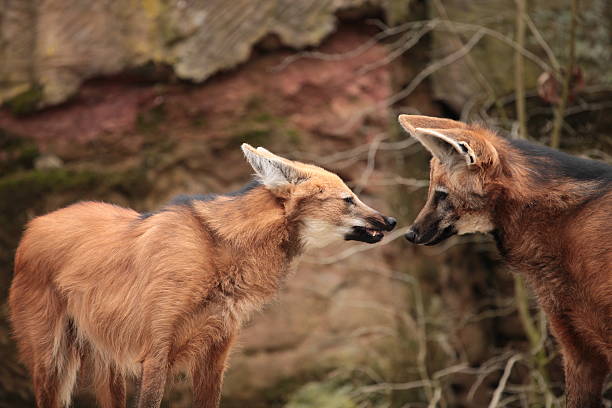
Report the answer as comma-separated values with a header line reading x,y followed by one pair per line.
x,y
134,101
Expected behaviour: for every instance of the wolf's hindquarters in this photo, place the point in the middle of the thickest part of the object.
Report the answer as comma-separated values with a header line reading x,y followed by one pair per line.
x,y
45,338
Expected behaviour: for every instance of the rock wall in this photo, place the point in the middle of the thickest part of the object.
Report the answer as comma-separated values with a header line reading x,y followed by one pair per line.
x,y
47,49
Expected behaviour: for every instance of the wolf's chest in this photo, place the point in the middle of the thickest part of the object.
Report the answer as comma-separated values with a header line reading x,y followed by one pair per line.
x,y
250,287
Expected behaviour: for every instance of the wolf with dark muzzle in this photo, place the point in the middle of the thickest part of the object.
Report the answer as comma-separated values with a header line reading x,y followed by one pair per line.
x,y
551,215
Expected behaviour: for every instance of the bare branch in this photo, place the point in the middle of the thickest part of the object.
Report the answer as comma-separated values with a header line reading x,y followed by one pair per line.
x,y
504,379
538,36
569,71
416,81
479,76
355,152
413,39
519,69
365,176
392,387
433,403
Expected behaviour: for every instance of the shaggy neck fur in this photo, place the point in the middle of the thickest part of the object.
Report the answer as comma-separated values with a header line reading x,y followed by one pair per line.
x,y
254,238
249,221
536,201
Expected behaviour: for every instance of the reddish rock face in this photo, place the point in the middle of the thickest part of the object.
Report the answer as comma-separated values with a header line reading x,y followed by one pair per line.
x,y
330,95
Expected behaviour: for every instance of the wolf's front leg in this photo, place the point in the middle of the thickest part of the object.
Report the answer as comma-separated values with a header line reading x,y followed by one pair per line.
x,y
110,388
208,374
585,369
153,381
584,382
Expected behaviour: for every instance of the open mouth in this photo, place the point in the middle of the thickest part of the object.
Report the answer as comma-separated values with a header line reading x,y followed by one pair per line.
x,y
365,234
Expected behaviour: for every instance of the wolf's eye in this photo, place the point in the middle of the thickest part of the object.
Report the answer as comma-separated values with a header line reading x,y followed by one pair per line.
x,y
349,200
440,196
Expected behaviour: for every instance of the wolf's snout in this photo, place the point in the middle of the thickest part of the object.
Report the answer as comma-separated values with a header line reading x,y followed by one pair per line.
x,y
374,229
390,223
411,235
415,236
430,235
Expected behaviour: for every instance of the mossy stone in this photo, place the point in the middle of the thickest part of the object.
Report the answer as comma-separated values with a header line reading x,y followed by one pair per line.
x,y
261,127
27,101
17,153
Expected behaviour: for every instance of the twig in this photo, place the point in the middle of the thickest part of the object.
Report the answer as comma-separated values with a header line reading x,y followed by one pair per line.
x,y
421,334
488,314
487,368
469,105
535,335
511,97
569,70
415,184
540,39
449,25
522,304
365,176
356,151
519,69
433,403
458,368
509,399
505,39
504,379
480,78
407,42
326,56
392,387
416,81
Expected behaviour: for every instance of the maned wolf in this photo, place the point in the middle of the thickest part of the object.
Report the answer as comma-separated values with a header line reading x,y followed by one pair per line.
x,y
118,293
551,215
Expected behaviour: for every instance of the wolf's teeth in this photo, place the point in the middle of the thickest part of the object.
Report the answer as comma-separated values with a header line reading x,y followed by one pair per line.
x,y
373,232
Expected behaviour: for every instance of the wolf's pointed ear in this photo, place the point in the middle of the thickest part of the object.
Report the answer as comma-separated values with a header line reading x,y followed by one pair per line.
x,y
429,122
441,141
272,170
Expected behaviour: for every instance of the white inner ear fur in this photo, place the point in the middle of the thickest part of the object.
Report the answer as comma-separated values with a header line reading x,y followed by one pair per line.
x,y
317,233
442,189
272,171
462,148
470,223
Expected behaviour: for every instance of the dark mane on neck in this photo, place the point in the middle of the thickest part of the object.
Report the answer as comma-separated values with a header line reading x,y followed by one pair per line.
x,y
189,200
550,165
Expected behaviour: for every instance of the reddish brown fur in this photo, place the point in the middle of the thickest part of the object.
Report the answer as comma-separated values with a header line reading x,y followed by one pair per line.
x,y
556,232
98,286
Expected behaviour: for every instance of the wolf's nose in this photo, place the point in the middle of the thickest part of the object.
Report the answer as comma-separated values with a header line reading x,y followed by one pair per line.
x,y
411,235
391,223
